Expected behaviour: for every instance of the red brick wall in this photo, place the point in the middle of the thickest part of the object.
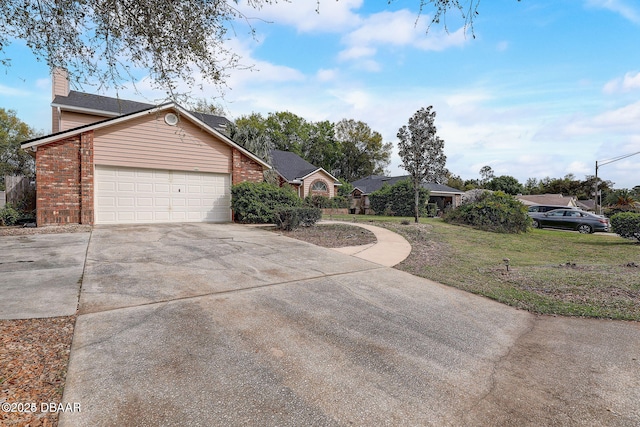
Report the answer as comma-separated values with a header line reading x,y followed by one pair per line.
x,y
64,181
86,178
244,168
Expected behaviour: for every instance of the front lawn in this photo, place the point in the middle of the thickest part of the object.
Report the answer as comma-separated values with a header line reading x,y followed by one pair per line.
x,y
550,272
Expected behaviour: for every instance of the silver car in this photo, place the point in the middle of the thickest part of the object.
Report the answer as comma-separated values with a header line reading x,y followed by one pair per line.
x,y
570,219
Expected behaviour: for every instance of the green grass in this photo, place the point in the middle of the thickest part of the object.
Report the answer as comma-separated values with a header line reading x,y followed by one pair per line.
x,y
550,272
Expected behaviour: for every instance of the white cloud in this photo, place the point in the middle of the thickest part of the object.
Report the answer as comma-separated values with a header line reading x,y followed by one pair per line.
x,y
325,75
622,7
579,168
356,52
10,91
628,83
397,29
626,118
307,15
43,83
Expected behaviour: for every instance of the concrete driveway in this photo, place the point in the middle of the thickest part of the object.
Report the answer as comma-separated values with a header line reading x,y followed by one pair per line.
x,y
225,325
40,274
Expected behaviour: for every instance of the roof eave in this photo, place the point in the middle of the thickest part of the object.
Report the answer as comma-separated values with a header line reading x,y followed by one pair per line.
x,y
320,169
92,111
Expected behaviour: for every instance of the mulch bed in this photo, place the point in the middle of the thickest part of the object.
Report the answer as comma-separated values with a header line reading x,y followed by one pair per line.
x,y
34,355
22,231
332,235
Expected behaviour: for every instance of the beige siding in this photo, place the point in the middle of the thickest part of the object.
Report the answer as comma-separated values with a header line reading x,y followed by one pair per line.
x,y
148,142
60,84
308,181
72,120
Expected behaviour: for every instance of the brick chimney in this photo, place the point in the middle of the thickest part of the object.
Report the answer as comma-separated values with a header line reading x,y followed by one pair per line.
x,y
59,86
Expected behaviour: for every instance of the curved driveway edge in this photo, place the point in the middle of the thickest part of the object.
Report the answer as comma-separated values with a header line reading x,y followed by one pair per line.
x,y
225,325
389,250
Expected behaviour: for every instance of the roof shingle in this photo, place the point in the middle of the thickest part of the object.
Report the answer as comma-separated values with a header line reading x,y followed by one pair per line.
x,y
375,182
290,165
118,107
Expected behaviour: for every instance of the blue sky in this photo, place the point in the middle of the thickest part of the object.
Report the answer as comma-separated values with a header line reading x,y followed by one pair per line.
x,y
545,88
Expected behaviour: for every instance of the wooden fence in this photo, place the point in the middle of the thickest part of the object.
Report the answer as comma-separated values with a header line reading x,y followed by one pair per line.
x,y
20,191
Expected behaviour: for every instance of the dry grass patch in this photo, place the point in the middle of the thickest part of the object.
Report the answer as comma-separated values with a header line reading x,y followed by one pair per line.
x,y
550,272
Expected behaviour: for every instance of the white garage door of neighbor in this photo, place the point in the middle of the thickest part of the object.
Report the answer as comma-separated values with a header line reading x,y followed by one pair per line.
x,y
129,196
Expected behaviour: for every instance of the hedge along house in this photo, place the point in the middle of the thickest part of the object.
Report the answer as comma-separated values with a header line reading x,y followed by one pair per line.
x,y
442,195
304,177
112,161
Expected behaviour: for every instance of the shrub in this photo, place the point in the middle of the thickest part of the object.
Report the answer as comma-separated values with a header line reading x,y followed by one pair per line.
x,y
497,212
627,225
345,189
340,202
610,211
317,201
254,203
398,200
289,218
9,215
474,196
432,209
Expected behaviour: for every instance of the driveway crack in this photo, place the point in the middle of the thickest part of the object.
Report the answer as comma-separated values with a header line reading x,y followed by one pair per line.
x,y
498,363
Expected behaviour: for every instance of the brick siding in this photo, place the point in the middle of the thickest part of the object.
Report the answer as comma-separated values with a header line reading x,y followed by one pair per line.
x,y
64,181
86,178
245,169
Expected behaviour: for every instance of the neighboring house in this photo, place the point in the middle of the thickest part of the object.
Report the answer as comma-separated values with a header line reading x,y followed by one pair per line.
x,y
112,161
587,205
548,199
442,195
304,177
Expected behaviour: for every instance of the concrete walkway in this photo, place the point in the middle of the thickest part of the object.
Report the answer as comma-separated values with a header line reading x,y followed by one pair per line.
x,y
389,250
40,274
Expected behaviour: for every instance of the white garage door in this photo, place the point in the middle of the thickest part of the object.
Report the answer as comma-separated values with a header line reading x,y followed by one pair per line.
x,y
129,196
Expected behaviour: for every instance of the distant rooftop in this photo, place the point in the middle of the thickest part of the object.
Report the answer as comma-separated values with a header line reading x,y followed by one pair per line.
x,y
375,182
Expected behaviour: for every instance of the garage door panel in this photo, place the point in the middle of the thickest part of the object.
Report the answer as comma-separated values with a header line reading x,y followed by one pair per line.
x,y
126,186
127,195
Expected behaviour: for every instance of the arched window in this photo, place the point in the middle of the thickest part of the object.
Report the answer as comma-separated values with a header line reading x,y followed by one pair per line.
x,y
319,186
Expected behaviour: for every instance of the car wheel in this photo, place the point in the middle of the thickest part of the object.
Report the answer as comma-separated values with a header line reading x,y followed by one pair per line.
x,y
585,229
536,223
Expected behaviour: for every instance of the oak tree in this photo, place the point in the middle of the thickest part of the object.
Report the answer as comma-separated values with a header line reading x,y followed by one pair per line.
x,y
13,159
422,152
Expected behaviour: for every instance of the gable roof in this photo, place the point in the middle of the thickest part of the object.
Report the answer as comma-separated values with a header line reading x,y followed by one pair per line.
x,y
375,182
441,188
293,167
98,104
47,139
547,199
106,106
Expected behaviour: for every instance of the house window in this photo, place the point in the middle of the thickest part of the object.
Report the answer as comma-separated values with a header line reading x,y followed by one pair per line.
x,y
320,187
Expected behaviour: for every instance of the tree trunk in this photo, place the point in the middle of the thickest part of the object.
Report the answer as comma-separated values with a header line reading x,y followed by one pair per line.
x,y
417,196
